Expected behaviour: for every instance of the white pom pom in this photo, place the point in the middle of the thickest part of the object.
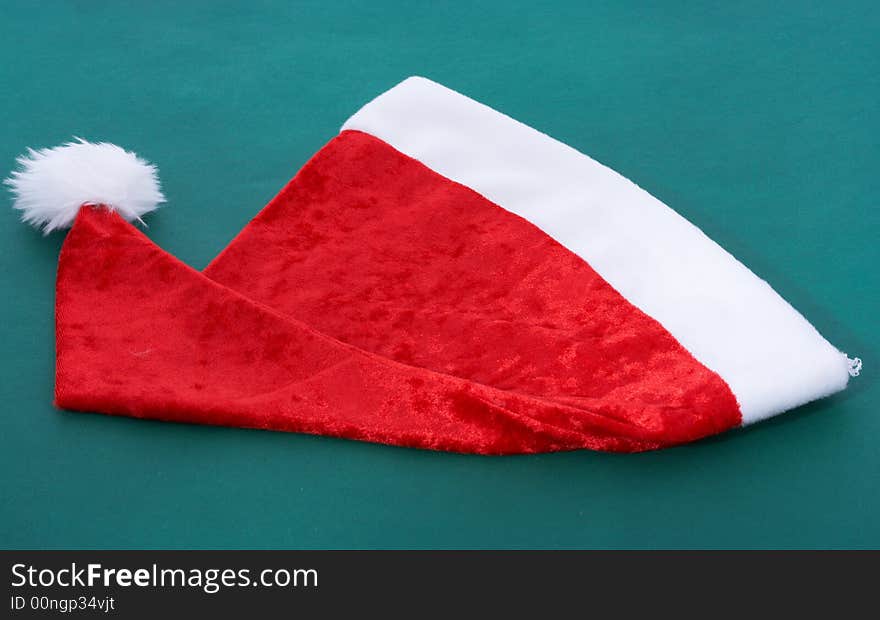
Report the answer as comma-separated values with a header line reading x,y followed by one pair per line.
x,y
53,184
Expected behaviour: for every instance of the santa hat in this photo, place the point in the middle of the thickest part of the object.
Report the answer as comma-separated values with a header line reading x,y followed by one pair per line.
x,y
439,276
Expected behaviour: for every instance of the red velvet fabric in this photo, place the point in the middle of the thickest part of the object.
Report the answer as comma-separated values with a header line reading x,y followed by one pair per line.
x,y
374,299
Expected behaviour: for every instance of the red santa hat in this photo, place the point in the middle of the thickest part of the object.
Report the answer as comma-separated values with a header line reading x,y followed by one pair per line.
x,y
438,276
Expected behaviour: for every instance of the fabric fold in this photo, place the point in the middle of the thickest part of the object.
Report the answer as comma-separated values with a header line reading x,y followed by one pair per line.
x,y
174,345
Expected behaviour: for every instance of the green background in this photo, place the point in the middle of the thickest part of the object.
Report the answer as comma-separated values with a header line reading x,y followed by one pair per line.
x,y
758,124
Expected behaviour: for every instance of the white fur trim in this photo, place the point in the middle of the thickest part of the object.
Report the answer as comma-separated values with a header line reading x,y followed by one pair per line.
x,y
52,184
727,317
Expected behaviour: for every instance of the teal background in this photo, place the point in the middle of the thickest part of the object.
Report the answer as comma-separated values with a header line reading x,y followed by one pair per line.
x,y
758,122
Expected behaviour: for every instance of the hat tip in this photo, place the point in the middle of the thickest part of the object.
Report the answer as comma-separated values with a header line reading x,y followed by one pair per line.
x,y
50,185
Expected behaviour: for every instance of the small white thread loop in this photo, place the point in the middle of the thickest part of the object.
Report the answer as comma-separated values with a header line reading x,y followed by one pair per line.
x,y
854,365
